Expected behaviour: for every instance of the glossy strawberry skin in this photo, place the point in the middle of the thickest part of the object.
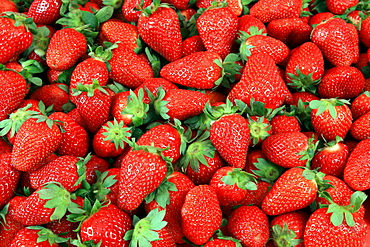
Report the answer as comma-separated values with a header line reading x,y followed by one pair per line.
x,y
201,214
360,128
45,12
95,164
267,11
284,123
339,7
340,192
10,177
360,105
28,237
52,94
129,12
191,45
220,243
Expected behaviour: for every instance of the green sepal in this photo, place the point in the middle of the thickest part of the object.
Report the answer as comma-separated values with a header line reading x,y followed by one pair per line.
x,y
3,213
21,20
258,130
309,153
161,195
302,82
216,112
117,133
154,60
242,179
160,104
257,108
104,14
327,104
267,171
320,6
184,134
136,107
89,89
284,237
81,168
229,69
303,113
45,234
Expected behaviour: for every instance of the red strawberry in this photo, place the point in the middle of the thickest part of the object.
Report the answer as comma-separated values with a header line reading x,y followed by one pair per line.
x,y
192,45
45,11
339,7
5,147
331,118
260,81
246,22
236,6
360,105
149,171
249,225
153,85
201,214
35,236
179,104
8,6
336,41
218,242
52,94
36,140
64,228
341,82
360,129
284,123
364,32
356,173
10,178
66,47
13,88
289,228
217,28
129,9
94,165
304,97
295,189
75,139
160,29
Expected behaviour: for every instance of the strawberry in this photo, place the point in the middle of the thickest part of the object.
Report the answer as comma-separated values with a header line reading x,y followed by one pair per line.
x,y
364,32
287,149
108,225
153,85
339,7
201,214
114,30
332,158
336,41
249,225
331,118
53,94
341,82
179,104
360,105
360,128
305,68
150,170
151,229
284,123
246,22
15,38
50,202
75,139
356,172
110,140
129,69
236,6
36,236
220,242
8,6
289,228
64,228
45,12
159,28
295,189
94,165
326,227
231,184
36,140
191,45
5,147
66,47
224,25
129,9
10,179
179,4
268,87
13,86
267,11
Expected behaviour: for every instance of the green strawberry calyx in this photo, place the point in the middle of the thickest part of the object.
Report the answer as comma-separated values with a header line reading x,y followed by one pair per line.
x,y
117,133
21,20
136,108
258,129
89,89
327,105
309,153
81,168
3,213
302,82
214,113
229,69
153,7
162,193
266,170
283,236
240,178
258,108
45,234
102,54
146,230
245,48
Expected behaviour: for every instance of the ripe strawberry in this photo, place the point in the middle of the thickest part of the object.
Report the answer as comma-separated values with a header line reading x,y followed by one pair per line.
x,y
159,28
201,214
331,118
5,147
179,104
114,30
110,140
45,12
339,7
217,27
135,185
360,105
179,4
235,5
356,173
364,32
15,38
326,227
331,159
8,6
288,228
10,177
295,189
247,23
341,82
192,45
260,81
13,88
52,94
108,225
129,69
336,41
360,128
267,11
129,9
153,85
35,236
249,225
36,140
66,47
152,228
220,242
75,139
284,123
94,165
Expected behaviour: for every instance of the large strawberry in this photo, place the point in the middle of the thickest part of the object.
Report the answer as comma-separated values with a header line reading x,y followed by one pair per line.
x,y
201,214
45,11
217,27
10,177
159,27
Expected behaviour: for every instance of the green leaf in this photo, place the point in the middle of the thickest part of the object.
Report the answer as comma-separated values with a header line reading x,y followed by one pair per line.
x,y
104,14
90,18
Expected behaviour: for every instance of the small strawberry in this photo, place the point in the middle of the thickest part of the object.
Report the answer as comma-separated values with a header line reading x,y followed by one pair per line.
x,y
95,164
250,225
246,22
360,105
201,214
284,123
10,177
130,9
331,118
339,7
360,128
236,6
45,12
192,45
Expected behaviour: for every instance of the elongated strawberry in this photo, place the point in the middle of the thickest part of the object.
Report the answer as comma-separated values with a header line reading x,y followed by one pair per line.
x,y
201,214
217,27
10,179
36,140
336,41
331,118
66,47
45,12
249,225
159,27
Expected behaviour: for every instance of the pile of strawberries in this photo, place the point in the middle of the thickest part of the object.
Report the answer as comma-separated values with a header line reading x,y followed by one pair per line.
x,y
184,123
